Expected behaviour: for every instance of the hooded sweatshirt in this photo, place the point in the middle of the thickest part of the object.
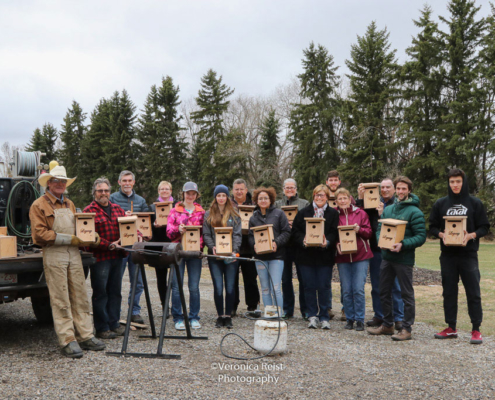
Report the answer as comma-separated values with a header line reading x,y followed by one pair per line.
x,y
415,235
460,204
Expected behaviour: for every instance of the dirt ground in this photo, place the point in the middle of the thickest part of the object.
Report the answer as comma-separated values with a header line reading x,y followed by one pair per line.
x,y
331,364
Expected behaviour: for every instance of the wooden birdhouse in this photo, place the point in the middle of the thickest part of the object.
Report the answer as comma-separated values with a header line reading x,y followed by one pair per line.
x,y
8,246
144,223
3,231
392,232
263,238
223,241
332,202
162,210
347,239
455,225
290,212
315,231
246,213
191,238
128,230
371,195
85,226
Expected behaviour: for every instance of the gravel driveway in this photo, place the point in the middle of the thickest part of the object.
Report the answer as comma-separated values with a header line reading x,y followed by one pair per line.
x,y
329,364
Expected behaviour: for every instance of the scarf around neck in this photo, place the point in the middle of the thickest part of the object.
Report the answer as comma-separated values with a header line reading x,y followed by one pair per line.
x,y
319,211
162,200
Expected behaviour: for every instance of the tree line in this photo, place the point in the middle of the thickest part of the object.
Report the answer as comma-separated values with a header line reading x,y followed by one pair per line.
x,y
419,118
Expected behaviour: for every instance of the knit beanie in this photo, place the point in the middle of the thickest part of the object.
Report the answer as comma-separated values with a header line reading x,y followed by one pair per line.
x,y
221,189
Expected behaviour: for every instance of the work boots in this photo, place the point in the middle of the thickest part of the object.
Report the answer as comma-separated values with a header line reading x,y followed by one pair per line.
x,y
72,350
403,334
381,330
92,344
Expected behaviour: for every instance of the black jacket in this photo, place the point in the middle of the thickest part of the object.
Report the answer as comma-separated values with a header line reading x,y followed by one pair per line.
x,y
281,231
374,217
246,250
315,255
461,204
158,234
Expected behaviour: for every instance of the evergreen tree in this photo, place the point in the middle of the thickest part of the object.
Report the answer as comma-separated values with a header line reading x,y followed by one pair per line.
x,y
50,136
312,121
370,115
423,81
268,172
463,36
162,151
36,143
212,101
72,135
119,148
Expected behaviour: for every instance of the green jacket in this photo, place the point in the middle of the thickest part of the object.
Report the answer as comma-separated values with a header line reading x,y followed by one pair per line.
x,y
415,235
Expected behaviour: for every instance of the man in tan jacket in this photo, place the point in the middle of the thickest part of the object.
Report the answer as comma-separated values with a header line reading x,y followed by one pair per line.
x,y
53,228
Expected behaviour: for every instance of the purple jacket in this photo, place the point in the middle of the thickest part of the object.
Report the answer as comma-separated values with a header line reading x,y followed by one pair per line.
x,y
350,216
179,216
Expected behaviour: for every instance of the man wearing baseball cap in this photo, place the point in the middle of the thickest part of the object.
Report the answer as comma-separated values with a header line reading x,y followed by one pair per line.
x,y
53,228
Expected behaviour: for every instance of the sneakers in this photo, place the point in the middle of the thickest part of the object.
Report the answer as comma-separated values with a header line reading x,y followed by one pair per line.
x,y
342,315
313,323
447,333
137,319
359,326
398,325
72,350
374,322
331,314
476,337
195,324
349,325
180,326
106,335
402,335
325,325
119,331
92,344
227,322
305,316
381,330
287,317
219,323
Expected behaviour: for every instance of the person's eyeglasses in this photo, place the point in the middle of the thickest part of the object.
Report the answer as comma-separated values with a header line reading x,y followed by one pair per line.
x,y
263,199
55,180
102,191
320,196
167,189
290,188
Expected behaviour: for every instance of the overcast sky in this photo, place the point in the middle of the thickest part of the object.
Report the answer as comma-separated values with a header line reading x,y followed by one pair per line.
x,y
54,52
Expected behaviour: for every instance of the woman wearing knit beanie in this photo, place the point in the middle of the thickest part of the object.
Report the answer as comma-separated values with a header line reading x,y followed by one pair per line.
x,y
223,273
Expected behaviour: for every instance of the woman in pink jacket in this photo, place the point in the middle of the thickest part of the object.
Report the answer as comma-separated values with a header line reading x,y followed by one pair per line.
x,y
353,268
186,212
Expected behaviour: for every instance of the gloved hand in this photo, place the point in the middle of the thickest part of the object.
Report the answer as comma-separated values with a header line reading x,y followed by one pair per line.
x,y
97,241
75,241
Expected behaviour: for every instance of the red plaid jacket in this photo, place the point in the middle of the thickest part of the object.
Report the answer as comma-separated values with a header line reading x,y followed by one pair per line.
x,y
107,227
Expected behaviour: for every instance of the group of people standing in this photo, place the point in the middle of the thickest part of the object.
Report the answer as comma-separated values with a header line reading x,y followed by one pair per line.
x,y
391,271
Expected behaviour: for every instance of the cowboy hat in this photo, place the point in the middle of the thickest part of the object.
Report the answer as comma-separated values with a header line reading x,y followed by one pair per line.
x,y
57,172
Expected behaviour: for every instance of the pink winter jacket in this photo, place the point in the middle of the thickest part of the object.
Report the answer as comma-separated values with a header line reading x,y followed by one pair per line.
x,y
179,216
350,216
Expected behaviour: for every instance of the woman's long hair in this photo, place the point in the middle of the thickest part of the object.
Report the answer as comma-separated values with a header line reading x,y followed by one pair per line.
x,y
216,219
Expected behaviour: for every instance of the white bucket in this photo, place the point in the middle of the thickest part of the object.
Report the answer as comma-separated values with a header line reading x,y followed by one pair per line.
x,y
265,336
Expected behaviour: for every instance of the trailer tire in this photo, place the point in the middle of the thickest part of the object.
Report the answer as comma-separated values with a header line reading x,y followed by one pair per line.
x,y
42,309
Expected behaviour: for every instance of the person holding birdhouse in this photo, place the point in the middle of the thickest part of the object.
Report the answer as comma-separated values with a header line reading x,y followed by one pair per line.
x,y
398,261
222,214
273,233
354,253
187,213
316,260
53,227
106,273
459,220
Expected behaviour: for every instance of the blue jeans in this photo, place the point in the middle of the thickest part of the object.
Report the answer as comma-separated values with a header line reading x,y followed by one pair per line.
x,y
268,293
398,304
136,308
221,272
352,279
317,280
193,276
288,287
106,282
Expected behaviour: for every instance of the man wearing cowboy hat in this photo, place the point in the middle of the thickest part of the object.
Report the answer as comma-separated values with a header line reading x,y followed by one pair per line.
x,y
53,228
